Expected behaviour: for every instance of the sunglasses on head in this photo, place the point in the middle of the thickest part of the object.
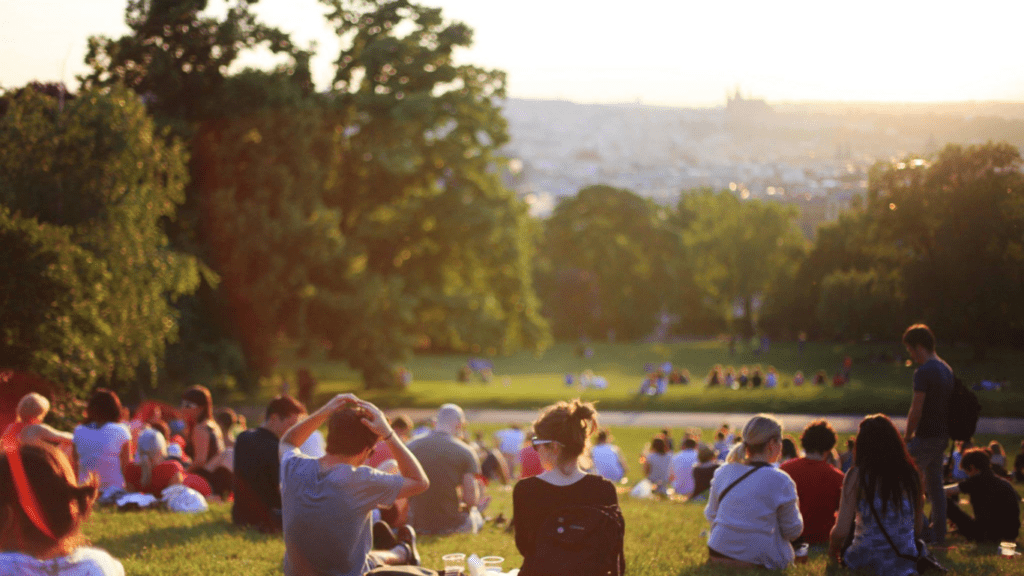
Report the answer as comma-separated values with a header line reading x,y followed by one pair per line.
x,y
187,404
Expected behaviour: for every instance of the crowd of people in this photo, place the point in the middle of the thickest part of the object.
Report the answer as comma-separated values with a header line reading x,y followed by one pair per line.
x,y
357,499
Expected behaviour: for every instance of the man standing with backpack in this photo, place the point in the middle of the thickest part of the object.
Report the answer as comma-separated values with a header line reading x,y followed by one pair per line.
x,y
927,432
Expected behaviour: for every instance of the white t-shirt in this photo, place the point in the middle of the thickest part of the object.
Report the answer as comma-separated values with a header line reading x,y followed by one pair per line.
x,y
606,461
84,561
99,451
510,440
682,468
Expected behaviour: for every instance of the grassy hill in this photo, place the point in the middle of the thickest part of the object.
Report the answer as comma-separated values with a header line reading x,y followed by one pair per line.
x,y
880,380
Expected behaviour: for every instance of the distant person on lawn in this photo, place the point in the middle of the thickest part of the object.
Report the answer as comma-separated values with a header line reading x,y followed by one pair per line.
x,y
451,465
819,485
327,503
257,481
995,502
927,435
682,467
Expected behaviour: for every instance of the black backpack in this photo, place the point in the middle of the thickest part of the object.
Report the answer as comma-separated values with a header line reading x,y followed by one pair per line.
x,y
964,410
579,541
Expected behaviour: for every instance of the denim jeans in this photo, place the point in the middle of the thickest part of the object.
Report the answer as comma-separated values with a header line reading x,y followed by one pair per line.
x,y
927,453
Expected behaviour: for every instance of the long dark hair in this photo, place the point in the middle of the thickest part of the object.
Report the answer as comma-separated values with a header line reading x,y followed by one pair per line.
x,y
885,466
63,502
200,396
104,406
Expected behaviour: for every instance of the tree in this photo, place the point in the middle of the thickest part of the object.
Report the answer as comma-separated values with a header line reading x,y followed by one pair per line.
x,y
610,249
85,185
370,219
958,225
740,250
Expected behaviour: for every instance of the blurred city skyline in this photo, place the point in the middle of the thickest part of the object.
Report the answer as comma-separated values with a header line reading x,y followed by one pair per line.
x,y
656,52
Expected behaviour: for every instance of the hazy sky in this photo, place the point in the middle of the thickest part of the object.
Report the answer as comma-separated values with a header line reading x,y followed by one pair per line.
x,y
673,52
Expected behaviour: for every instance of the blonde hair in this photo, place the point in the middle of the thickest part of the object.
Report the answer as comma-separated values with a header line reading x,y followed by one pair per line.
x,y
152,451
760,430
737,454
32,405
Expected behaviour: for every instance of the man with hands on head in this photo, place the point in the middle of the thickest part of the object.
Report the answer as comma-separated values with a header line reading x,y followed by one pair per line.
x,y
327,502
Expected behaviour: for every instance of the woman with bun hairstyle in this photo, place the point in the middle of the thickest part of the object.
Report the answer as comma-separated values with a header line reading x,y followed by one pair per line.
x,y
883,485
42,507
752,505
561,435
204,440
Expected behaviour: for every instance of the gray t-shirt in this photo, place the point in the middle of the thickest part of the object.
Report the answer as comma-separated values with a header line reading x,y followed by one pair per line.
x,y
445,460
935,379
327,526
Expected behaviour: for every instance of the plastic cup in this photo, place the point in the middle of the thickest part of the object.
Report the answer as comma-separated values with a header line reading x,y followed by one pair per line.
x,y
801,554
492,563
1008,549
454,564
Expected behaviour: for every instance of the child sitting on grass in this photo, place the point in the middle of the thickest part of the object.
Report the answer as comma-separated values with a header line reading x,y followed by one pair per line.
x,y
29,427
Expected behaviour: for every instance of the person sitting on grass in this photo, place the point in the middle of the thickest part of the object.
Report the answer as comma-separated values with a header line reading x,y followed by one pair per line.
x,y
256,488
881,493
205,440
560,438
607,458
103,442
327,502
703,472
153,472
752,506
682,467
451,466
657,463
42,508
818,484
995,502
28,428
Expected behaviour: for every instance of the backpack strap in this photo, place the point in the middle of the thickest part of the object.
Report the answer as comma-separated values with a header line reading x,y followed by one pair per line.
x,y
756,466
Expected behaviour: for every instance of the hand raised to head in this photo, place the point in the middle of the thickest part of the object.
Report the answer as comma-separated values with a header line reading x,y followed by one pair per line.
x,y
374,419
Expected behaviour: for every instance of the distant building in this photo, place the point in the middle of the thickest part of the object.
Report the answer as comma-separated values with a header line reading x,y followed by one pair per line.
x,y
741,109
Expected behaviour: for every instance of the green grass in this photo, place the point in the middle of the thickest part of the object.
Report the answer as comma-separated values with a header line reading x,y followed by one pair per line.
x,y
527,381
663,538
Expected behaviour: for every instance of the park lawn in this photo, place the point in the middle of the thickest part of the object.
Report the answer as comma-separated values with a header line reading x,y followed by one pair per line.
x,y
880,381
663,538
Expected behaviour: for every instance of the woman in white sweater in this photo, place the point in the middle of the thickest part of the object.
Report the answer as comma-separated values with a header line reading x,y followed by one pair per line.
x,y
752,505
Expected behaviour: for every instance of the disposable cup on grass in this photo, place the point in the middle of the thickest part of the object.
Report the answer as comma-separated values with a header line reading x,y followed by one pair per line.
x,y
454,564
492,563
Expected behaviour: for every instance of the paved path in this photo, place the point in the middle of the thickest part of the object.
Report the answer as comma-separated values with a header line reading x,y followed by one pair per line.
x,y
843,423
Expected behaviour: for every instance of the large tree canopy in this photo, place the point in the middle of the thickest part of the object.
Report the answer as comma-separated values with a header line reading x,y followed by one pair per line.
x,y
85,185
368,219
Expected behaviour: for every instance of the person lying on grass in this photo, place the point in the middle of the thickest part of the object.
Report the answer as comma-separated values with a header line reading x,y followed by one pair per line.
x,y
326,502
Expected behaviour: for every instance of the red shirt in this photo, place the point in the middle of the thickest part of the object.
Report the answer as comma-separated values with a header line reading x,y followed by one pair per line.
x,y
162,475
818,487
381,452
529,462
